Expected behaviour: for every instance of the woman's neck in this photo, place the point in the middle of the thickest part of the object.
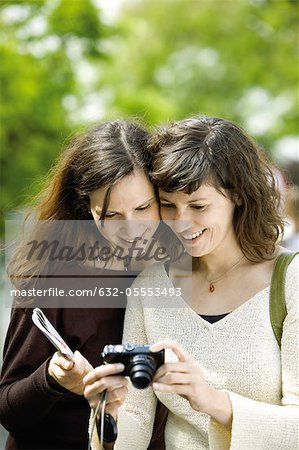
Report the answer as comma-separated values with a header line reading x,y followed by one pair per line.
x,y
218,261
215,262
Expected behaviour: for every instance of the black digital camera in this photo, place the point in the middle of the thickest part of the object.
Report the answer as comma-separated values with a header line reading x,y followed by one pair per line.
x,y
140,364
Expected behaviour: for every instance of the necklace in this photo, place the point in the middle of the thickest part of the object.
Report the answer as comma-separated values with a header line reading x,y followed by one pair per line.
x,y
212,282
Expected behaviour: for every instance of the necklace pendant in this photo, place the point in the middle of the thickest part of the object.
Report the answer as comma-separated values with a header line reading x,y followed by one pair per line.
x,y
212,287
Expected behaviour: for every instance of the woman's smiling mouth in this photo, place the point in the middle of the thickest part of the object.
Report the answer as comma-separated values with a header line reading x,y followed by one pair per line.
x,y
192,237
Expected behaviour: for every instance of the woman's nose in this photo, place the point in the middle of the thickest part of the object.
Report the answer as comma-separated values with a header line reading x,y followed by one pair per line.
x,y
180,221
130,228
180,226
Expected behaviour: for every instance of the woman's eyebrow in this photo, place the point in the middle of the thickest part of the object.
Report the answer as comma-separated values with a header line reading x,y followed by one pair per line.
x,y
164,199
146,202
99,210
191,201
198,200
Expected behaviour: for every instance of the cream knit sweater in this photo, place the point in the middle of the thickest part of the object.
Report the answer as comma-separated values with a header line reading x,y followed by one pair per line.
x,y
239,353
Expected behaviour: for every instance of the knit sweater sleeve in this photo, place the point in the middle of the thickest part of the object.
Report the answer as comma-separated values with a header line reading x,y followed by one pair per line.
x,y
136,416
264,426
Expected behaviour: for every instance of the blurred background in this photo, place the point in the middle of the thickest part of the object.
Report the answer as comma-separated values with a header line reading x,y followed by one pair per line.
x,y
66,64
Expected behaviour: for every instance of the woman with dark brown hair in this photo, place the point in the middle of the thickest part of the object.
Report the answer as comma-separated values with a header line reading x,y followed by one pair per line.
x,y
98,198
230,386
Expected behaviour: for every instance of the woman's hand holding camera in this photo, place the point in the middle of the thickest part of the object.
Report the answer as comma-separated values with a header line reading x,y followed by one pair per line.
x,y
185,379
106,378
69,373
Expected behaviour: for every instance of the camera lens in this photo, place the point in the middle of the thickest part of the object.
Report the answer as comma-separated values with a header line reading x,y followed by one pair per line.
x,y
141,369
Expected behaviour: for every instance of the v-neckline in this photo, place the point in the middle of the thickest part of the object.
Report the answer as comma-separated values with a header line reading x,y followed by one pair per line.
x,y
228,315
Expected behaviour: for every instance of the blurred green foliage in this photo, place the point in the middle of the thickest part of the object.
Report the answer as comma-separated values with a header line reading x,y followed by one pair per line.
x,y
206,56
160,60
37,73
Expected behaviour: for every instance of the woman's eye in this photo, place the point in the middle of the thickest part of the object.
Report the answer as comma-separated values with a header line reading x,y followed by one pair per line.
x,y
143,207
110,215
198,206
166,205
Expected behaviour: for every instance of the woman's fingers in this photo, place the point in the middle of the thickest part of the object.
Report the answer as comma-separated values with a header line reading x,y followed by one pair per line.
x,y
69,373
102,371
82,362
106,378
115,399
175,347
117,395
105,383
57,372
180,389
170,371
59,365
62,361
116,387
173,378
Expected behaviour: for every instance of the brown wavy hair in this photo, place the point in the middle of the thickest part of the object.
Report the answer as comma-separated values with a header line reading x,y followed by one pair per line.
x,y
97,157
214,151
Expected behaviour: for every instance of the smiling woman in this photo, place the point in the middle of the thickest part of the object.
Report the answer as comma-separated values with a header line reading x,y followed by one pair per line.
x,y
208,212
133,213
98,196
230,386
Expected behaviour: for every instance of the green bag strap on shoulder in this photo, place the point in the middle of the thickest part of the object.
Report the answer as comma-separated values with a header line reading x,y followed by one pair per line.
x,y
278,310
